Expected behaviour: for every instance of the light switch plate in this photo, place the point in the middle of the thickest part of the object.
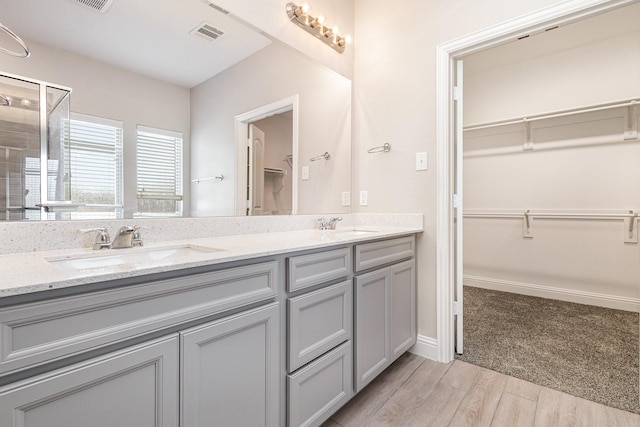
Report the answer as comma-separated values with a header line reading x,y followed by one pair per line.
x,y
364,198
346,198
421,161
305,173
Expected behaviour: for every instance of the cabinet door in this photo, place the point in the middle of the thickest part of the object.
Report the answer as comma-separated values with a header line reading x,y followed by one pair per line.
x,y
230,371
403,308
373,346
136,387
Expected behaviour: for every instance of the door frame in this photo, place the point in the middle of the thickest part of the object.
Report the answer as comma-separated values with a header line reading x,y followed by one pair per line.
x,y
446,55
242,122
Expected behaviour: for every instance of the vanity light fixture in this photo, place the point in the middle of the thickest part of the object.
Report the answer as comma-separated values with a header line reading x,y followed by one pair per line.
x,y
300,16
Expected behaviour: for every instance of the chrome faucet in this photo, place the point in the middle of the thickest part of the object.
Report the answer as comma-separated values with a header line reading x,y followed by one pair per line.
x,y
103,240
328,225
127,237
333,222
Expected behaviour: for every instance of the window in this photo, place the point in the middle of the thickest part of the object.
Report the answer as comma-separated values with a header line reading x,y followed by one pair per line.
x,y
159,168
95,164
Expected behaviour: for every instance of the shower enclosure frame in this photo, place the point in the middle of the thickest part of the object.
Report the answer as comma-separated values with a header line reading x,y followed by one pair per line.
x,y
43,116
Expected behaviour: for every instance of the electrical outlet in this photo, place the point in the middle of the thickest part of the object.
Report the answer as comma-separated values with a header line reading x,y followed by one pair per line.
x,y
421,161
346,198
305,173
364,198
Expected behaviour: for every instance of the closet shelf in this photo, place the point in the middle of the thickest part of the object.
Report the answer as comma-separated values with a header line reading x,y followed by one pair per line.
x,y
275,171
560,113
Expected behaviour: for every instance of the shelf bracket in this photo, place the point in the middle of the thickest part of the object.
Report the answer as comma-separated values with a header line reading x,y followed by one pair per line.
x,y
527,225
631,123
630,228
527,145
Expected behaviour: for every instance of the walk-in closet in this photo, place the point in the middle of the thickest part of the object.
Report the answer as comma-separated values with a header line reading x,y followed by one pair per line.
x,y
551,188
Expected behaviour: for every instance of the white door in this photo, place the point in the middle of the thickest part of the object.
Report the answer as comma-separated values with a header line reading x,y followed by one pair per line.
x,y
458,204
256,170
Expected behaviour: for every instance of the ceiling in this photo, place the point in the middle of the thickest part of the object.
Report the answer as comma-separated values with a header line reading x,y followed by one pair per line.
x,y
149,37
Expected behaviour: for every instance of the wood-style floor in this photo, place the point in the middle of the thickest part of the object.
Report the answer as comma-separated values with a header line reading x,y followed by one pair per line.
x,y
418,392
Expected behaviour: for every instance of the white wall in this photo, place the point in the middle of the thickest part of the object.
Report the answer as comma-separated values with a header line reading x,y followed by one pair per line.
x,y
324,125
394,101
585,63
105,91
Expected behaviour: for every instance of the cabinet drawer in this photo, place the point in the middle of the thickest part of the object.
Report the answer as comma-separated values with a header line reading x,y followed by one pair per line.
x,y
308,270
39,332
318,321
320,388
369,255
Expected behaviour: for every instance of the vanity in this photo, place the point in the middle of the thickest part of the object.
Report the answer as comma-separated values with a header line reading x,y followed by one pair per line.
x,y
266,329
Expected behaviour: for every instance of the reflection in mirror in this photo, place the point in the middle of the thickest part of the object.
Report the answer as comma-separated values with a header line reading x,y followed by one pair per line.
x,y
34,165
146,65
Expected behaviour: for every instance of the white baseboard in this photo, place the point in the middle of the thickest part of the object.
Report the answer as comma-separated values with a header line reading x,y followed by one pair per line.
x,y
562,294
426,347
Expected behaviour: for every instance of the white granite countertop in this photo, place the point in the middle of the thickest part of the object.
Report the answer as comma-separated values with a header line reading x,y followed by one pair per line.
x,y
24,273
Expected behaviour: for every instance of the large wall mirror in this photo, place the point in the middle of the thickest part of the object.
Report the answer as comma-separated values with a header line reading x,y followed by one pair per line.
x,y
176,109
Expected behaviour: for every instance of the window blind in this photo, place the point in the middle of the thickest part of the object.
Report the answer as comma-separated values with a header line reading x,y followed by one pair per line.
x,y
95,161
159,171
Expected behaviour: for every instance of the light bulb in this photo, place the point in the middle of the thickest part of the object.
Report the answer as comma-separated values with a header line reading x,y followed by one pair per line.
x,y
335,30
320,20
305,8
348,39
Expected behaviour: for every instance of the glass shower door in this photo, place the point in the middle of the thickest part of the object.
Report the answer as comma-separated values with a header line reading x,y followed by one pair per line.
x,y
19,149
34,151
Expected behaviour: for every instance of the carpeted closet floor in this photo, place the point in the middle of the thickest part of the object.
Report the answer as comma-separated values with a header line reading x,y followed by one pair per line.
x,y
589,352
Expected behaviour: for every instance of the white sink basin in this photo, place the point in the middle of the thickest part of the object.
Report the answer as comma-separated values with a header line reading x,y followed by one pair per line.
x,y
118,259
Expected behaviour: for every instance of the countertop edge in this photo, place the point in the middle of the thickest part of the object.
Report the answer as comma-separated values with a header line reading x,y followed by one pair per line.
x,y
31,272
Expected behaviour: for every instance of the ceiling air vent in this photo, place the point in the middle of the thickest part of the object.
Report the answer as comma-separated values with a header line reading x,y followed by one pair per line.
x,y
207,32
99,5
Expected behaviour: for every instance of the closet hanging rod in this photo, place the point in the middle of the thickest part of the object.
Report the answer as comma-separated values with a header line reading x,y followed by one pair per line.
x,y
560,113
552,215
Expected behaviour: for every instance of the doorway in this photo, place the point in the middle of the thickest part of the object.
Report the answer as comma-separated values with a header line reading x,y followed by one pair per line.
x,y
446,120
267,155
547,123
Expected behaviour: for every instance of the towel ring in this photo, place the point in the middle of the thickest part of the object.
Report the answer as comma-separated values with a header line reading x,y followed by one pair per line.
x,y
384,148
14,36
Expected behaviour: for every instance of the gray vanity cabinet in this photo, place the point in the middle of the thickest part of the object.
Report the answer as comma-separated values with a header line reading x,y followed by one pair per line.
x,y
220,372
229,371
385,316
135,387
319,331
